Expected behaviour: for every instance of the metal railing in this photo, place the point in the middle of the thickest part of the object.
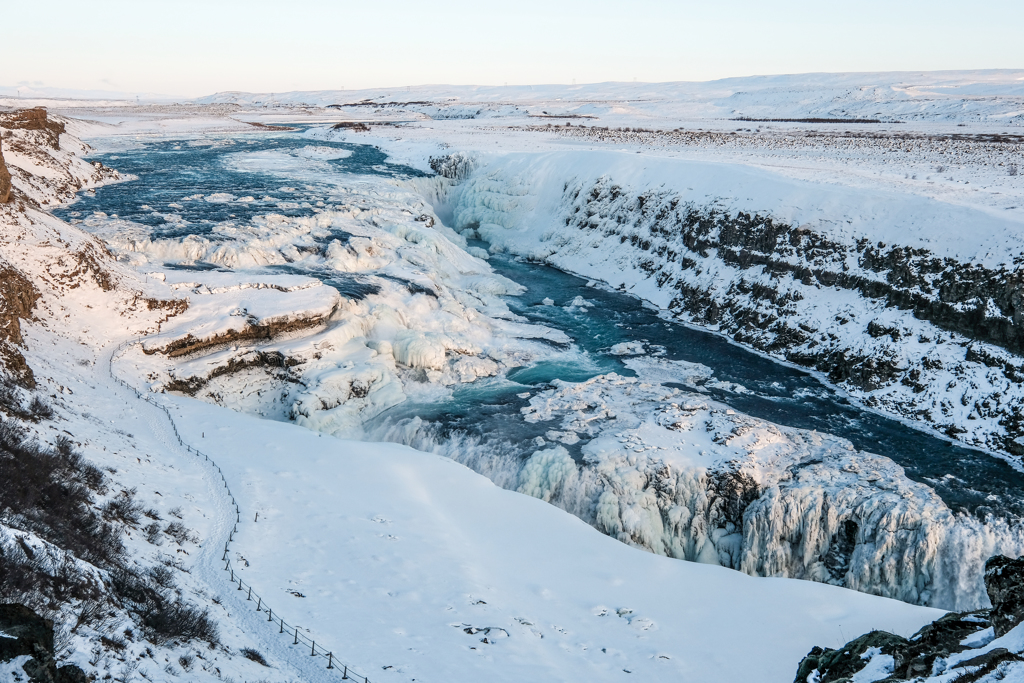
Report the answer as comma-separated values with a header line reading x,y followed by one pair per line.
x,y
284,628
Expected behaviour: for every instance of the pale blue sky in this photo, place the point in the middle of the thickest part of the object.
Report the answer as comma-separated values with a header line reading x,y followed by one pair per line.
x,y
190,48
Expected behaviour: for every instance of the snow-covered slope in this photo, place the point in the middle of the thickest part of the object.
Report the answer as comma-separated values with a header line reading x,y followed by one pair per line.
x,y
423,569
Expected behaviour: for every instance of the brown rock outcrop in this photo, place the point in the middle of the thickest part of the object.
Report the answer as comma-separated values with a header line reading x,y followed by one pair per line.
x,y
5,178
34,119
18,297
249,333
915,658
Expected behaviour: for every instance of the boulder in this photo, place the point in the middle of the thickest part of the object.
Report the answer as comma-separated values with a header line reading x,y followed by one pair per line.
x,y
842,664
941,638
1004,581
27,633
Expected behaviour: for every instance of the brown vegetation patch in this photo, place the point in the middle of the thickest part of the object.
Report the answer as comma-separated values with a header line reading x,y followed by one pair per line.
x,y
171,307
85,262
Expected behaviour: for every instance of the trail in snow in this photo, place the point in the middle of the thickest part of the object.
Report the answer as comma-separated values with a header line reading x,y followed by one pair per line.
x,y
211,564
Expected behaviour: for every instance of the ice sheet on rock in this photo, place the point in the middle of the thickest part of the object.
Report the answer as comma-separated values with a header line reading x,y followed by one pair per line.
x,y
226,308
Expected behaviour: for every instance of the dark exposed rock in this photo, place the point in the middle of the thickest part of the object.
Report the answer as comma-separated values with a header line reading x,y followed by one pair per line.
x,y
674,241
455,166
979,667
18,298
30,634
940,638
352,125
1004,581
840,550
250,332
841,664
262,359
916,657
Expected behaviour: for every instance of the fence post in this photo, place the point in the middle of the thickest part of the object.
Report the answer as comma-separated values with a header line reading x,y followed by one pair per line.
x,y
259,601
313,652
270,614
296,636
249,597
330,660
345,676
282,625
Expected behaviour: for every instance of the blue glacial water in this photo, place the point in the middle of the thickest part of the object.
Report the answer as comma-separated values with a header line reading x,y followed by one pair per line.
x,y
256,166
172,172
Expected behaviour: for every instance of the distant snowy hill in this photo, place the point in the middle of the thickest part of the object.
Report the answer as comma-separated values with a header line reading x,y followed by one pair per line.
x,y
988,96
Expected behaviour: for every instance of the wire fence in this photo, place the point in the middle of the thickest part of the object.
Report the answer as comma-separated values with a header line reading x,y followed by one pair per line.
x,y
284,628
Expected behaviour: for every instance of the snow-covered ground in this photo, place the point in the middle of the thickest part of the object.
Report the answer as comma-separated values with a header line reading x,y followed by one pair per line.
x,y
411,565
424,570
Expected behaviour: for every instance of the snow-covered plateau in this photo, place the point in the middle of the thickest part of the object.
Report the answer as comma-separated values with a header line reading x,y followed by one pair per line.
x,y
367,277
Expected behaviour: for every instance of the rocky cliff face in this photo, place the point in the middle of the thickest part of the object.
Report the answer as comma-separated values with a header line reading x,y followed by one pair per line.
x,y
5,177
18,298
35,119
43,161
777,266
43,260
